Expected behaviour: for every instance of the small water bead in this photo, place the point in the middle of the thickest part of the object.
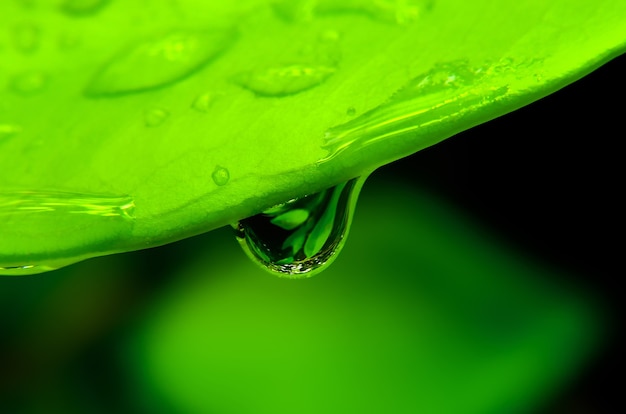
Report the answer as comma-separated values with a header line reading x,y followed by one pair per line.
x,y
28,83
159,62
155,117
285,80
203,102
300,237
220,176
78,8
351,111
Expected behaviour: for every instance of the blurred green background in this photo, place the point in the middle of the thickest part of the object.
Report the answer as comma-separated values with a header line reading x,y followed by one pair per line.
x,y
479,277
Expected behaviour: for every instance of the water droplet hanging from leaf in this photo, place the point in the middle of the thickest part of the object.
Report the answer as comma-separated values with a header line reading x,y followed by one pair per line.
x,y
300,237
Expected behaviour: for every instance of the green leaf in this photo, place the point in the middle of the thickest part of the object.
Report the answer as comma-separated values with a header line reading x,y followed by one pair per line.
x,y
195,114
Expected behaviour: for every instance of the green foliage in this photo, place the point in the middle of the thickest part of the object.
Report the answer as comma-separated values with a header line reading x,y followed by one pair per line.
x,y
202,113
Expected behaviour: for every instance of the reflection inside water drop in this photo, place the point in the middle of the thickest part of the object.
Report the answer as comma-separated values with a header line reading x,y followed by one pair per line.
x,y
301,236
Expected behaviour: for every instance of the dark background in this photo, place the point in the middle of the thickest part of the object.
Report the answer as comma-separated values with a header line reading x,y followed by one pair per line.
x,y
548,179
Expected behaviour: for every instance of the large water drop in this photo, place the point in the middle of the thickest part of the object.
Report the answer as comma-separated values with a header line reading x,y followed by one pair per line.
x,y
285,80
300,237
220,175
159,62
203,102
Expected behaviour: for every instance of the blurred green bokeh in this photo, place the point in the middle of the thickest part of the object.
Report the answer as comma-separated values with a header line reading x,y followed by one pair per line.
x,y
422,312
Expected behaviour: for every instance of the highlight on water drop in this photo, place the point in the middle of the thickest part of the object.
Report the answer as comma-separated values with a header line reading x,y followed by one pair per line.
x,y
159,62
284,80
302,236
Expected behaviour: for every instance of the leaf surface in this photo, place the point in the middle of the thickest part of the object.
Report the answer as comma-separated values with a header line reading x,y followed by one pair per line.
x,y
195,114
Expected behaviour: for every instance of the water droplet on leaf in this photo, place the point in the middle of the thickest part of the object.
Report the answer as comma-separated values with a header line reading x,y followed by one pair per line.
x,y
294,11
26,37
450,90
159,62
298,238
28,83
220,176
78,8
388,11
203,102
155,117
35,223
351,111
285,80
